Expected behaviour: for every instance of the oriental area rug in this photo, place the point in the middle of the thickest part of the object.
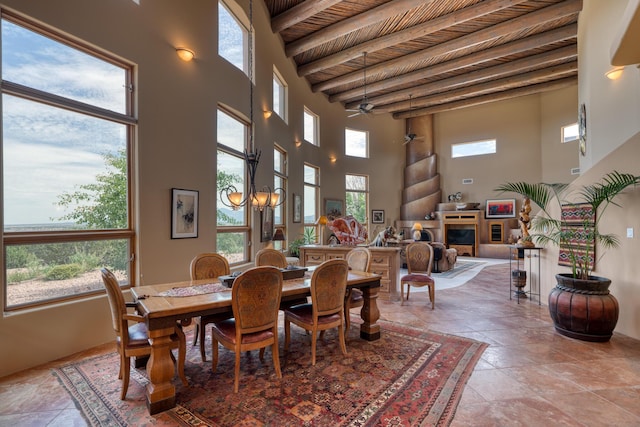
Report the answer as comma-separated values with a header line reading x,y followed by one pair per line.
x,y
409,377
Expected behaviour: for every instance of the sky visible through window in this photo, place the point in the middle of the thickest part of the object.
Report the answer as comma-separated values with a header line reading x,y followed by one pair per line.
x,y
47,150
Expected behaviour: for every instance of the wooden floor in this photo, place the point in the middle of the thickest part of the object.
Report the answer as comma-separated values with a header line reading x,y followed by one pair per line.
x,y
529,376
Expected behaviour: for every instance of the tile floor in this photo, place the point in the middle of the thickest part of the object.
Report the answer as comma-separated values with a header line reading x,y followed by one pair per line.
x,y
528,376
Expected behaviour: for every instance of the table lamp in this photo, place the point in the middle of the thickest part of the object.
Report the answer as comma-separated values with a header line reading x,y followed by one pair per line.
x,y
322,222
279,236
417,231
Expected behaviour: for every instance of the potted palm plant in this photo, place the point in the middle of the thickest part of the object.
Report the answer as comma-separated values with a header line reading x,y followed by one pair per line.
x,y
580,304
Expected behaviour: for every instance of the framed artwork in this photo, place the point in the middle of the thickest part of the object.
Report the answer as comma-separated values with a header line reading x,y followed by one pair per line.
x,y
184,213
501,208
266,224
333,208
297,208
377,216
582,128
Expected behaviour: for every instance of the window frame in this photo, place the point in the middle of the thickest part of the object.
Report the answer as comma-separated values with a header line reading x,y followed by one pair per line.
x,y
563,139
314,132
365,192
280,82
126,119
315,186
246,227
347,143
281,173
478,144
238,15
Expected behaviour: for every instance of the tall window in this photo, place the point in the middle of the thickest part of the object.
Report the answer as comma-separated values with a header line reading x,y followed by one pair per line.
x,y
279,95
232,238
356,143
65,152
233,38
357,197
311,127
280,181
311,197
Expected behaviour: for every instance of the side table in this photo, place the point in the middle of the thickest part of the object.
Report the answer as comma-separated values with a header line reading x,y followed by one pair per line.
x,y
516,260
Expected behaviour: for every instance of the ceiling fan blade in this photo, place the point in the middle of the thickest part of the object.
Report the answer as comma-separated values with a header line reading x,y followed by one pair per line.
x,y
355,114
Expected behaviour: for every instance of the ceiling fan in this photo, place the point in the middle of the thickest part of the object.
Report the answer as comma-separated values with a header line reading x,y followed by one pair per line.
x,y
409,136
365,107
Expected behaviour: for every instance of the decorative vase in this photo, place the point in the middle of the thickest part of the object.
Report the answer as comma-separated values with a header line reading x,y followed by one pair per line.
x,y
583,308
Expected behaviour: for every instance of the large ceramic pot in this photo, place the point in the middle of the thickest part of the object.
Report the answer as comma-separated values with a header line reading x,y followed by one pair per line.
x,y
583,308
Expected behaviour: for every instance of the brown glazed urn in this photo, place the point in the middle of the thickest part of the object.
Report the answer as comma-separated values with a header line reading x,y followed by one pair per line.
x,y
583,308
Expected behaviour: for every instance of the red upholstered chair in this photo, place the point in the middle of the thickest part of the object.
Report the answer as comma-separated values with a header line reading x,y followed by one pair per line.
x,y
326,310
133,341
206,266
419,264
255,300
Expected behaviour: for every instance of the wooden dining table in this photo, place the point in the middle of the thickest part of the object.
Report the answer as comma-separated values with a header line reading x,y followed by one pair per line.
x,y
164,305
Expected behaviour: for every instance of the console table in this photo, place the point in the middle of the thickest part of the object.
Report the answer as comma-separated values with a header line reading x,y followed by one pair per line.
x,y
385,261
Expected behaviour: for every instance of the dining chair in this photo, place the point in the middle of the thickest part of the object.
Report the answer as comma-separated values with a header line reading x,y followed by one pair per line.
x,y
359,259
419,264
206,266
272,257
326,310
133,341
255,301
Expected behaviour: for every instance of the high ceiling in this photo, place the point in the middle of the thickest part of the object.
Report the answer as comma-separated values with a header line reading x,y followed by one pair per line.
x,y
428,56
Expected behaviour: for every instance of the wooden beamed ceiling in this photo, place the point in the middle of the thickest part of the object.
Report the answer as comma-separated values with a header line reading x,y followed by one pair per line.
x,y
427,56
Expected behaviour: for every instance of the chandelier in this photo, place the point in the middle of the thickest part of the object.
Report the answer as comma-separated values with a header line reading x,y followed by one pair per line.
x,y
266,197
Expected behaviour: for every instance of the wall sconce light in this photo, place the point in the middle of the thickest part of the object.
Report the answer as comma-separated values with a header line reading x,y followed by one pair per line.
x,y
267,113
333,159
298,143
185,54
614,73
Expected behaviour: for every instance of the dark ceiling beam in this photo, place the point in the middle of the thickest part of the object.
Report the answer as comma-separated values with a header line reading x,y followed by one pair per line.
x,y
299,13
521,80
550,13
511,48
522,65
417,31
485,99
342,28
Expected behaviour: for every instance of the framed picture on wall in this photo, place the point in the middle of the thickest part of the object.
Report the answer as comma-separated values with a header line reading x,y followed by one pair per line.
x,y
377,216
184,213
297,208
333,208
502,208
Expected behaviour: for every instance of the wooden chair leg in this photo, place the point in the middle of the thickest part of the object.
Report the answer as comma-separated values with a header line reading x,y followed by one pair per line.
x,y
287,337
341,334
236,380
196,332
314,340
276,358
432,296
214,353
402,293
125,377
261,356
203,354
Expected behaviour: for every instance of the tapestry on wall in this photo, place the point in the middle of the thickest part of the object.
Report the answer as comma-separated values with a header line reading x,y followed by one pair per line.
x,y
578,221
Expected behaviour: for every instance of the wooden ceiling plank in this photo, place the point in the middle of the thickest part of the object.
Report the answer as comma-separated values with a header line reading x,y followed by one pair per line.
x,y
463,15
511,48
549,13
344,27
299,13
519,65
526,79
485,99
